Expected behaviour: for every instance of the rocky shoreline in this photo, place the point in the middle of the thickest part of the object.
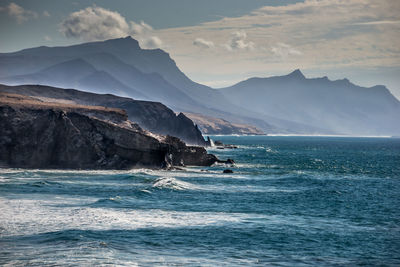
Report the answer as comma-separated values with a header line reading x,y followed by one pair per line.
x,y
34,134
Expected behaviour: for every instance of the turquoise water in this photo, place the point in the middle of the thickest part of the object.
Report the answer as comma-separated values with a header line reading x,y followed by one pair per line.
x,y
291,201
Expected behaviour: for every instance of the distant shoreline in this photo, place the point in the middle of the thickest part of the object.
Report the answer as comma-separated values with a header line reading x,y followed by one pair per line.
x,y
304,135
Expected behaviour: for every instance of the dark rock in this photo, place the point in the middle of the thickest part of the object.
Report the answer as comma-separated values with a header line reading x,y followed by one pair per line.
x,y
182,155
152,116
208,141
34,136
227,171
230,147
230,161
221,145
218,143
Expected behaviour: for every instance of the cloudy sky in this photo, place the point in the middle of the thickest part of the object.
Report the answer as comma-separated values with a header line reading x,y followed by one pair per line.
x,y
220,42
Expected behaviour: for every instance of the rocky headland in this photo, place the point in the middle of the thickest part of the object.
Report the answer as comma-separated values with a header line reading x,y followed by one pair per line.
x,y
43,134
152,116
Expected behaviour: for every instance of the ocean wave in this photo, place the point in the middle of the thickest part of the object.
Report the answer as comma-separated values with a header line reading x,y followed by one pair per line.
x,y
172,183
270,150
116,199
20,217
194,171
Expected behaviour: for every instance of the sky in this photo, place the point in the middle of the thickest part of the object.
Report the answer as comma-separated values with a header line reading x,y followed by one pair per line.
x,y
221,42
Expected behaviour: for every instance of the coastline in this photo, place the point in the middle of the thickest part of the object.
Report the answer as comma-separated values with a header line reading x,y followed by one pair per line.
x,y
305,135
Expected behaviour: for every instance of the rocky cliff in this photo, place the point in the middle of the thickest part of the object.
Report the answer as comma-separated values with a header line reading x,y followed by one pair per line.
x,y
152,116
36,134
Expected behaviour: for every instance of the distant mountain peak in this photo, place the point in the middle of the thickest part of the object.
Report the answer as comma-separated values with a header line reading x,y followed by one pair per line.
x,y
128,40
296,74
344,82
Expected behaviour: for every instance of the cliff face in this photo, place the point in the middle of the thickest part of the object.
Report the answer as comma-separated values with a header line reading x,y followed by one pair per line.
x,y
152,116
45,136
159,119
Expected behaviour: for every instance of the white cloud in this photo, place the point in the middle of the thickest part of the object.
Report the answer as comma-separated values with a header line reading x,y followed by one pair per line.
x,y
151,42
47,38
19,13
140,28
378,22
323,34
238,42
283,50
200,42
96,23
144,33
46,13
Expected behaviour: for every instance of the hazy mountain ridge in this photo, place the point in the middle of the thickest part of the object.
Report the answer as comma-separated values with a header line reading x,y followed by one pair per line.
x,y
281,104
104,74
211,126
338,106
152,72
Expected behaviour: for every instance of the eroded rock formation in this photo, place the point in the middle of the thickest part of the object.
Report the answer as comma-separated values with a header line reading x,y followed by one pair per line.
x,y
36,134
152,116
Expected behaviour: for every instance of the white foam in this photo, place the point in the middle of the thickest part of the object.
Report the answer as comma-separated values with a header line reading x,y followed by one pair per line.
x,y
330,135
249,165
270,150
29,217
172,183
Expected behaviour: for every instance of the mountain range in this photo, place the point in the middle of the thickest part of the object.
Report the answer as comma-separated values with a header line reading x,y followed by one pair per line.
x,y
337,107
282,104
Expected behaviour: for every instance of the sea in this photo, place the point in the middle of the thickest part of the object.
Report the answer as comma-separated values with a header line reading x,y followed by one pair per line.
x,y
290,201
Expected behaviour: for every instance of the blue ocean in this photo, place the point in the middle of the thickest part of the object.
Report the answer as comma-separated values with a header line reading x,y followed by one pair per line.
x,y
290,201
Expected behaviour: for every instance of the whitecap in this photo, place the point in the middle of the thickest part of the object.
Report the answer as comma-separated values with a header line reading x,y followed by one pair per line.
x,y
29,216
270,150
172,183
